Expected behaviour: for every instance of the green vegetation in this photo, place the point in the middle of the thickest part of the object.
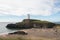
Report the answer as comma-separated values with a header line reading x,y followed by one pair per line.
x,y
39,23
9,38
32,21
25,38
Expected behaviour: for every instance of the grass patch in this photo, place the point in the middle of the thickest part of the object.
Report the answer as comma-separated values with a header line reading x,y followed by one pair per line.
x,y
22,39
11,38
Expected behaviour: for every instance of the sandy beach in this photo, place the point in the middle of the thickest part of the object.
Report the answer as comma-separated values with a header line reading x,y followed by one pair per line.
x,y
35,33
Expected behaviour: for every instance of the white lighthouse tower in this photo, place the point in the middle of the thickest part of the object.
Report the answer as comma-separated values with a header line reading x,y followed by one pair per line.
x,y
28,16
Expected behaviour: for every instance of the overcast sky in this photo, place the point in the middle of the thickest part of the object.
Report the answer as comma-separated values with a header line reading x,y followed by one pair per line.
x,y
17,10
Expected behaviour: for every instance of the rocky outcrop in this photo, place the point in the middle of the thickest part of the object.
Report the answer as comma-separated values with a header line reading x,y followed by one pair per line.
x,y
11,26
18,33
15,26
27,24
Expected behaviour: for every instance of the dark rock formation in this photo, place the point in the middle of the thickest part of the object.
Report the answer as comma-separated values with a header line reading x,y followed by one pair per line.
x,y
15,26
18,32
50,25
11,26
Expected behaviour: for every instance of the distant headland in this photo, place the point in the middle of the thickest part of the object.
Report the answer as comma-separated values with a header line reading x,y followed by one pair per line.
x,y
31,23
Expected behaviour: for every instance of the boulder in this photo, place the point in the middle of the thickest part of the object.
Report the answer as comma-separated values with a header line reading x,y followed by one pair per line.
x,y
18,32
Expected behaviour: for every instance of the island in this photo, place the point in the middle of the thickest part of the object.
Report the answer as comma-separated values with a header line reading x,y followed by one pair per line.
x,y
31,23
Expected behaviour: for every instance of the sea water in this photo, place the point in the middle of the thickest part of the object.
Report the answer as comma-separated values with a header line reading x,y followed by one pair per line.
x,y
3,28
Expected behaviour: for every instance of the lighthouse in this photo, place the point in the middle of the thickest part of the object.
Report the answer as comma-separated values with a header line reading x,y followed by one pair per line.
x,y
27,21
28,16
